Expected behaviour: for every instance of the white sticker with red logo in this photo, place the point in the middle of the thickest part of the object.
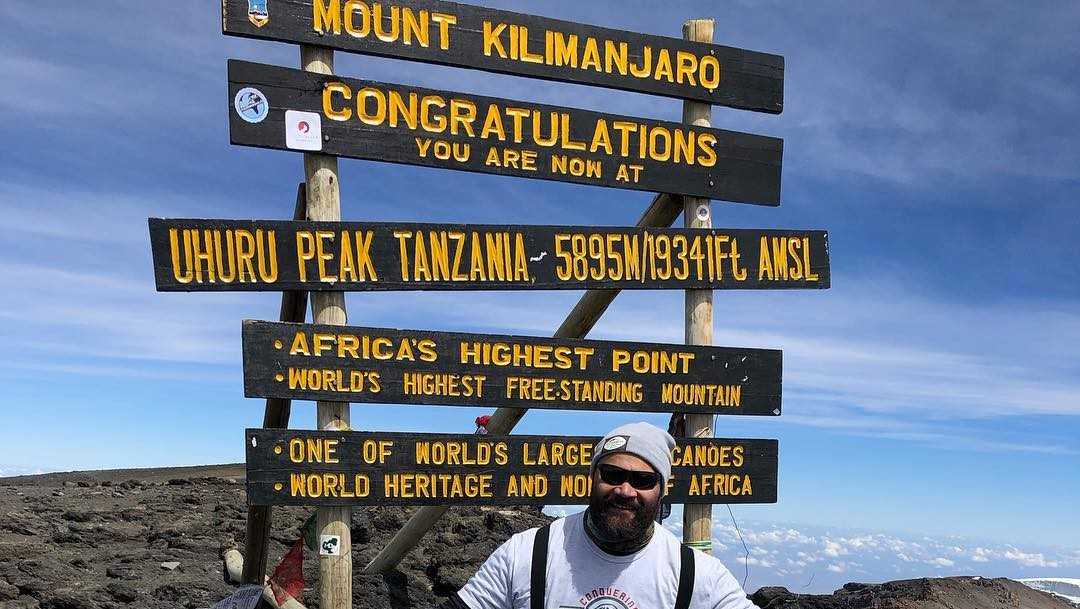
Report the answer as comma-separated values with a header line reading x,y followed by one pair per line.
x,y
303,130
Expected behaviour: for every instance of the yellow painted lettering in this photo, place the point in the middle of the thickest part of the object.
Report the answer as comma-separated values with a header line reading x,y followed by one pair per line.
x,y
445,21
327,18
329,111
493,39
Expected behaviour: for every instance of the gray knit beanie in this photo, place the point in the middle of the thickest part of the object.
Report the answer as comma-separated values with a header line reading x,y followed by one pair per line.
x,y
641,439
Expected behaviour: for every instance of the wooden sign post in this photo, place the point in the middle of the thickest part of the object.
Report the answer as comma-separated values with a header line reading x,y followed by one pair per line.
x,y
324,204
697,214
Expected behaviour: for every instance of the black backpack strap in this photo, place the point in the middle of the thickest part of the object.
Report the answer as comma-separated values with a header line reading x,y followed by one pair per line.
x,y
538,581
686,578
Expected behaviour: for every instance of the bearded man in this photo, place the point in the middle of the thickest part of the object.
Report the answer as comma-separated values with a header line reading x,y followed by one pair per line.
x,y
612,556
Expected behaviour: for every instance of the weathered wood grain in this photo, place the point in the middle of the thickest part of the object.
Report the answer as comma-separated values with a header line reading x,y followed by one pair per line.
x,y
698,303
324,203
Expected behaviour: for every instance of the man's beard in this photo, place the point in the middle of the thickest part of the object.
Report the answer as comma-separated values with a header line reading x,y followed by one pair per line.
x,y
622,520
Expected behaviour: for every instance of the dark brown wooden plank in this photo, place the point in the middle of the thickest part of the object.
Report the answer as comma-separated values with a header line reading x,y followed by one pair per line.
x,y
290,467
453,34
275,416
403,124
382,365
203,255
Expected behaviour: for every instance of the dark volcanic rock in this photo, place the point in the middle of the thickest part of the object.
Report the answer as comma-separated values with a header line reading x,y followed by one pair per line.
x,y
8,592
68,600
80,516
122,592
123,572
67,537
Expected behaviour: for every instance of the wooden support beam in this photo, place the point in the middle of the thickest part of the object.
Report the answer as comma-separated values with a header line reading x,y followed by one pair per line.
x,y
662,212
324,204
276,416
697,213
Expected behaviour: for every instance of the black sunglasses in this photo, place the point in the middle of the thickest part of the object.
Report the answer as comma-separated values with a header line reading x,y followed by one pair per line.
x,y
615,476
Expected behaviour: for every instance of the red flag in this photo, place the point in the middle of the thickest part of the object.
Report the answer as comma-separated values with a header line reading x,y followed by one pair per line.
x,y
288,577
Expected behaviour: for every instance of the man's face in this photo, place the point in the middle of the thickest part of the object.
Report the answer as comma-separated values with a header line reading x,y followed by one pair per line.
x,y
623,512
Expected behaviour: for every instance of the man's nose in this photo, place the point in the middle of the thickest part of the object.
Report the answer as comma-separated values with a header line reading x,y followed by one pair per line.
x,y
626,490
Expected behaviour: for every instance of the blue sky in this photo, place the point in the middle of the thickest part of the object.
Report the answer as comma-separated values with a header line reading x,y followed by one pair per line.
x,y
933,391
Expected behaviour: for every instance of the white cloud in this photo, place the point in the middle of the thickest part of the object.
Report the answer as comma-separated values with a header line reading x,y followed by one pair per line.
x,y
940,562
833,548
980,555
775,536
1029,559
759,562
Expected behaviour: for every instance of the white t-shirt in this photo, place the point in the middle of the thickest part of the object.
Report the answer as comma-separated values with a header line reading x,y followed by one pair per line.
x,y
582,576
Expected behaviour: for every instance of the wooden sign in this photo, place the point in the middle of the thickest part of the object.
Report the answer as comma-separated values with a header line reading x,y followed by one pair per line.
x,y
469,36
287,109
381,365
291,467
266,255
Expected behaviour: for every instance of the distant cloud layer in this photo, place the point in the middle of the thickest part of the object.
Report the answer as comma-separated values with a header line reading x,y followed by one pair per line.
x,y
791,556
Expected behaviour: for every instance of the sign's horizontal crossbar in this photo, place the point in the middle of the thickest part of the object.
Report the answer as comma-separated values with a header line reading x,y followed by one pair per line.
x,y
287,109
382,365
448,33
266,255
288,467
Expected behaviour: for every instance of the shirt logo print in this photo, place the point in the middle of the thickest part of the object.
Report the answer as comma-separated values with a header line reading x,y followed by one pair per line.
x,y
604,598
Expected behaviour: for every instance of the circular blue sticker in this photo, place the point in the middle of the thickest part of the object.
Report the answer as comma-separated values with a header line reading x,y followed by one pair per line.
x,y
251,105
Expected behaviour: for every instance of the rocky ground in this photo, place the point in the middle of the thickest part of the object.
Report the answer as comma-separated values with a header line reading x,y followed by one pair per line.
x,y
154,539
100,540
